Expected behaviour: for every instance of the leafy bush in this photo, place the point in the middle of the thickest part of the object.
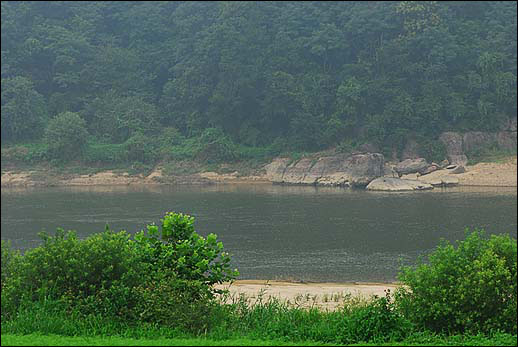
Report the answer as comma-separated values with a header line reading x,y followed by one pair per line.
x,y
431,150
215,147
66,136
140,148
183,252
105,153
379,320
26,153
472,287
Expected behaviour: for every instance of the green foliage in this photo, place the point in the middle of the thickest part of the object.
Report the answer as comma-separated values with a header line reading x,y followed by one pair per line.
x,y
432,150
105,153
140,148
379,320
24,110
214,147
471,287
180,250
25,153
303,76
66,136
164,280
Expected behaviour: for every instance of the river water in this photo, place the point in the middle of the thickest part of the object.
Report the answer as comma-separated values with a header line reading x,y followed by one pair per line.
x,y
276,232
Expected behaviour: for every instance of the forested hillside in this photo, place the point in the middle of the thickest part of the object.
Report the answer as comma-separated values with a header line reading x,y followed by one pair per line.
x,y
220,81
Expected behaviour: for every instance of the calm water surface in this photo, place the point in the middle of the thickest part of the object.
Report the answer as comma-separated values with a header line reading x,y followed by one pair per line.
x,y
276,232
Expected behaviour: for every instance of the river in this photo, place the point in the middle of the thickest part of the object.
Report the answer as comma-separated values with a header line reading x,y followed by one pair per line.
x,y
276,232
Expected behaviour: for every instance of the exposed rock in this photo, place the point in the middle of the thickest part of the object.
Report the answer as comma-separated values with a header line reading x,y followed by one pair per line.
x,y
397,184
275,170
341,170
412,176
457,169
444,163
431,169
411,166
453,142
440,179
296,172
448,181
460,159
388,171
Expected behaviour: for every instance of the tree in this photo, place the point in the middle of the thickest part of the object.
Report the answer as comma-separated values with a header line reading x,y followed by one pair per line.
x,y
23,110
66,136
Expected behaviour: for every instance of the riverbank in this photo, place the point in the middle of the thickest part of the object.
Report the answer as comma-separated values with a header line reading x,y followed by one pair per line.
x,y
492,174
325,295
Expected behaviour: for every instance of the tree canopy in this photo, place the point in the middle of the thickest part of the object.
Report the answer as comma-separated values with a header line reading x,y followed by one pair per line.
x,y
308,74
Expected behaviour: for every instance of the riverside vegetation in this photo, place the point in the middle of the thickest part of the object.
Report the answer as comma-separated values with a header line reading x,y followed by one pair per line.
x,y
157,287
133,84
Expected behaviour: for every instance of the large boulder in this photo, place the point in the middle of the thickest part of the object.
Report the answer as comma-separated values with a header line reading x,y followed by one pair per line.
x,y
396,185
460,159
453,142
440,179
340,170
409,166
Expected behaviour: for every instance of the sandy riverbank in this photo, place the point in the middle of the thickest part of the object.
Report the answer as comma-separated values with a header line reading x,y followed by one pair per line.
x,y
323,295
501,174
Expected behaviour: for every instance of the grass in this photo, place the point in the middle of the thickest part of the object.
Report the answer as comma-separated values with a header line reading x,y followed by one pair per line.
x,y
425,339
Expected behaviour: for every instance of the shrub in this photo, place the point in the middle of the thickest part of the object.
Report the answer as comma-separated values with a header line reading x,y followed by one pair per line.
x,y
378,320
105,153
140,148
431,150
67,267
183,252
472,287
215,147
66,136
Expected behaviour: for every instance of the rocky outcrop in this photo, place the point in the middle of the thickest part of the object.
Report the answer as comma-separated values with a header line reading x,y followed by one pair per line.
x,y
397,185
275,170
454,151
440,180
339,170
459,145
409,166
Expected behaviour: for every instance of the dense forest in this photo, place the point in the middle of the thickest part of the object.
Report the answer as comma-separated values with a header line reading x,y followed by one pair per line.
x,y
143,81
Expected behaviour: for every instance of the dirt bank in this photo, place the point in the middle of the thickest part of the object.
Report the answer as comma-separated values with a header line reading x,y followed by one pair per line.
x,y
323,295
501,174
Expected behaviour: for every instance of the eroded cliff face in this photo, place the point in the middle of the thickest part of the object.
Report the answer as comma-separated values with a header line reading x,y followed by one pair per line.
x,y
339,170
460,145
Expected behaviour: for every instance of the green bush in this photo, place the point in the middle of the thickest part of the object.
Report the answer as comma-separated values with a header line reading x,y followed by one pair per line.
x,y
379,320
66,136
140,148
65,266
431,150
215,147
180,250
105,153
471,287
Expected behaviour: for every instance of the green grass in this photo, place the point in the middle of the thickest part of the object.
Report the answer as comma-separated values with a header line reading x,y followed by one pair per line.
x,y
416,340
55,340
